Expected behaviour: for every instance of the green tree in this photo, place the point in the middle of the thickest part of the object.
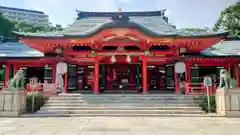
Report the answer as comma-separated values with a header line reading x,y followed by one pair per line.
x,y
24,27
6,27
57,27
229,20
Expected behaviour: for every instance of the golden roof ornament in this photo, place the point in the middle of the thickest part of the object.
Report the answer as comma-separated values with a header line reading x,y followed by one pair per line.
x,y
120,13
120,10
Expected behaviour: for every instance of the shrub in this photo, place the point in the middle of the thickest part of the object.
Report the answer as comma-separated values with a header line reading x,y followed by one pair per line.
x,y
39,100
203,103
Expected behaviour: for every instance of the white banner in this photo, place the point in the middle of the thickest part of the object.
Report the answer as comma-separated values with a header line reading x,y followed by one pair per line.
x,y
61,68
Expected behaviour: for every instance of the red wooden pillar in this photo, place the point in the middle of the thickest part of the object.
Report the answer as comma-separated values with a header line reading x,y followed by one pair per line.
x,y
16,68
96,76
187,73
228,67
187,77
66,82
132,75
144,74
7,70
177,83
236,73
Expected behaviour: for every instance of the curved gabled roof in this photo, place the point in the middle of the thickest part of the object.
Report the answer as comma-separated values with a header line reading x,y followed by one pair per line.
x,y
152,23
124,22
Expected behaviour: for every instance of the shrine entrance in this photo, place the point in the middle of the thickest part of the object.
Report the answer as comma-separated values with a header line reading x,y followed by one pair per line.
x,y
120,77
161,78
80,78
128,78
35,72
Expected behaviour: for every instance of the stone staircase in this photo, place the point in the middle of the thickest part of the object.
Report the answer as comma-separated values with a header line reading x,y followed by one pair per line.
x,y
120,105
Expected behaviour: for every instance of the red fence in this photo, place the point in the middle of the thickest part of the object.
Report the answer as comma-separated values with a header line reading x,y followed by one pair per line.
x,y
198,88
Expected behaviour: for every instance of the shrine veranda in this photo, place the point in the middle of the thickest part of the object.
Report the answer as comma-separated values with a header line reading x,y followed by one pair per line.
x,y
121,52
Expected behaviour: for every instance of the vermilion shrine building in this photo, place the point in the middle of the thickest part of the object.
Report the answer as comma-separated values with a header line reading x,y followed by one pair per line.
x,y
122,52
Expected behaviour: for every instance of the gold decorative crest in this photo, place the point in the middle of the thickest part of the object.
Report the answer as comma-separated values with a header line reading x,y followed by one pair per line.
x,y
120,32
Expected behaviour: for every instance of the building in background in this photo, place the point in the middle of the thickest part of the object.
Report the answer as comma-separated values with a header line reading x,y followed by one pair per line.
x,y
37,18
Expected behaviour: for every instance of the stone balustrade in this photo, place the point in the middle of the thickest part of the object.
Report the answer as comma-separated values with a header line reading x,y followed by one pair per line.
x,y
12,102
228,102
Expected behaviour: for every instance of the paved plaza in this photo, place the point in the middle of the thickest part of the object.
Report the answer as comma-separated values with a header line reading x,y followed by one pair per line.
x,y
120,126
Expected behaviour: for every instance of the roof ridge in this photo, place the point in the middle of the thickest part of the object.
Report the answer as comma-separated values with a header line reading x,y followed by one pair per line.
x,y
84,14
121,12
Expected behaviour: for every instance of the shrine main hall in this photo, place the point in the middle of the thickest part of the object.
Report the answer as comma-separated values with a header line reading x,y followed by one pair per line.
x,y
123,52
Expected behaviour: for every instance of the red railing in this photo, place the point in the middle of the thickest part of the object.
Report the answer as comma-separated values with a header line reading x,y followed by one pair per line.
x,y
198,88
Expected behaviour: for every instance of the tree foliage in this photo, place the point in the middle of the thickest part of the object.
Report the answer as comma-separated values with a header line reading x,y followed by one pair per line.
x,y
57,27
6,26
24,27
203,103
229,20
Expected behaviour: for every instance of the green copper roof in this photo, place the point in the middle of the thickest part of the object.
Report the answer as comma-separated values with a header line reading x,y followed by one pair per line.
x,y
150,23
224,48
18,50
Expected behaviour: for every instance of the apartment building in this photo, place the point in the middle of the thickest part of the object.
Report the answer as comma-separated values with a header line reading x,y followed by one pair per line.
x,y
34,17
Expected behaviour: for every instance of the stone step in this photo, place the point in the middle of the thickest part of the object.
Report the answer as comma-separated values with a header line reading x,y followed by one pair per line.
x,y
120,105
120,98
121,101
119,108
120,94
116,102
126,95
120,112
118,115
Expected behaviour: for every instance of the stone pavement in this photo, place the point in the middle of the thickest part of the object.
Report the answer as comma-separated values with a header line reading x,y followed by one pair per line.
x,y
120,126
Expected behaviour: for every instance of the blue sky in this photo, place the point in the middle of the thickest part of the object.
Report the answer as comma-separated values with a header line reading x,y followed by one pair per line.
x,y
182,13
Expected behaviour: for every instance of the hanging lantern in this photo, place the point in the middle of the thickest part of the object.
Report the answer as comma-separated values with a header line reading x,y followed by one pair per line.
x,y
46,66
113,59
129,59
3,65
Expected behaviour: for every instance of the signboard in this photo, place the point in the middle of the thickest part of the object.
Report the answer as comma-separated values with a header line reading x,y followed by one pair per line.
x,y
180,67
207,81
